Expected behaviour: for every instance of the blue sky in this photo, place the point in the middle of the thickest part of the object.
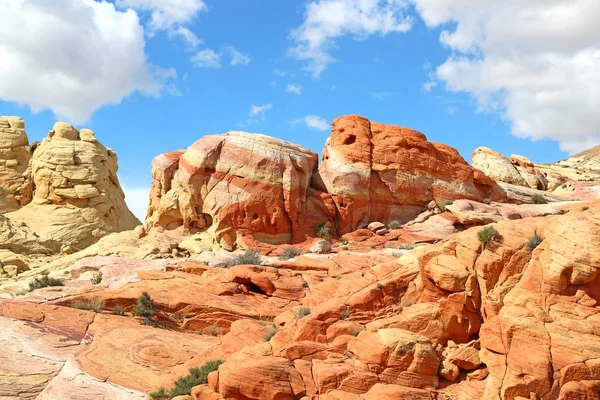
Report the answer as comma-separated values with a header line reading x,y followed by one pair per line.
x,y
405,62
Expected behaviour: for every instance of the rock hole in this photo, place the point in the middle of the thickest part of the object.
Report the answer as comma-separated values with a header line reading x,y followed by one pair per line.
x,y
350,139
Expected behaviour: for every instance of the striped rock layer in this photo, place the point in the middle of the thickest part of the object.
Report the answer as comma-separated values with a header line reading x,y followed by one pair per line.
x,y
15,153
241,185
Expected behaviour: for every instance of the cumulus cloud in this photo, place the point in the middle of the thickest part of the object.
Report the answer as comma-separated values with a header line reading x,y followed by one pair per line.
x,y
189,37
73,57
207,59
137,199
313,122
325,21
536,63
165,14
260,111
236,57
293,88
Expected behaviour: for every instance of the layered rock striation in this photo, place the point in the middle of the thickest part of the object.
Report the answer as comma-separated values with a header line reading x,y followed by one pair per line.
x,y
241,184
64,190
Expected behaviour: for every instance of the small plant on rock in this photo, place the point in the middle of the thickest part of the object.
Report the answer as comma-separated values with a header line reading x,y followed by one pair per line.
x,y
96,279
144,307
488,234
486,201
346,314
302,312
538,199
290,252
119,310
184,385
355,332
445,203
212,331
44,281
399,309
249,257
406,246
380,286
324,231
94,304
585,208
270,333
534,241
394,225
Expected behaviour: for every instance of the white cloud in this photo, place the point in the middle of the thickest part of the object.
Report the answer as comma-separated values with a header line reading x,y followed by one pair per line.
x,y
73,57
313,122
137,199
328,20
236,56
383,95
293,88
207,59
187,36
165,14
260,111
541,69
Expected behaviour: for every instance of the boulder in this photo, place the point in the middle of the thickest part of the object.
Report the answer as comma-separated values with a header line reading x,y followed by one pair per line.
x,y
15,153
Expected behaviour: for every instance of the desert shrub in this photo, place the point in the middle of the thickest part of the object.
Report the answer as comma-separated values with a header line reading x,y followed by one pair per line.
x,y
270,333
183,386
94,304
346,314
249,257
302,312
534,241
118,310
488,234
538,199
290,252
212,331
380,286
96,279
355,332
399,309
406,246
585,208
144,307
487,201
445,203
324,231
394,225
44,281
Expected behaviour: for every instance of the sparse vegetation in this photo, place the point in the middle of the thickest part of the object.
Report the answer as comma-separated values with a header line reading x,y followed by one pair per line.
x,y
538,199
96,279
324,231
399,308
94,304
346,314
119,310
302,312
355,332
380,286
43,281
290,252
270,333
184,385
534,241
487,201
212,331
488,234
394,225
585,208
249,257
444,203
144,306
406,246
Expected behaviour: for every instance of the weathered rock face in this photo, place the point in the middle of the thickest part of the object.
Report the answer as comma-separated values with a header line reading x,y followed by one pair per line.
x,y
378,172
237,183
517,170
77,198
15,153
249,185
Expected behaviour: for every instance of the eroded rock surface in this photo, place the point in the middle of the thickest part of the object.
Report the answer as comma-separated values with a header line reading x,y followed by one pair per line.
x,y
15,153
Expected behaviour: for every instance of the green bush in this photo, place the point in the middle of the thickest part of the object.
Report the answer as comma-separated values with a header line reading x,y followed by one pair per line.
x,y
290,252
538,199
212,331
249,257
534,241
406,246
185,384
94,304
144,307
44,281
96,279
302,312
324,231
585,208
270,333
394,225
444,204
487,201
488,234
346,314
